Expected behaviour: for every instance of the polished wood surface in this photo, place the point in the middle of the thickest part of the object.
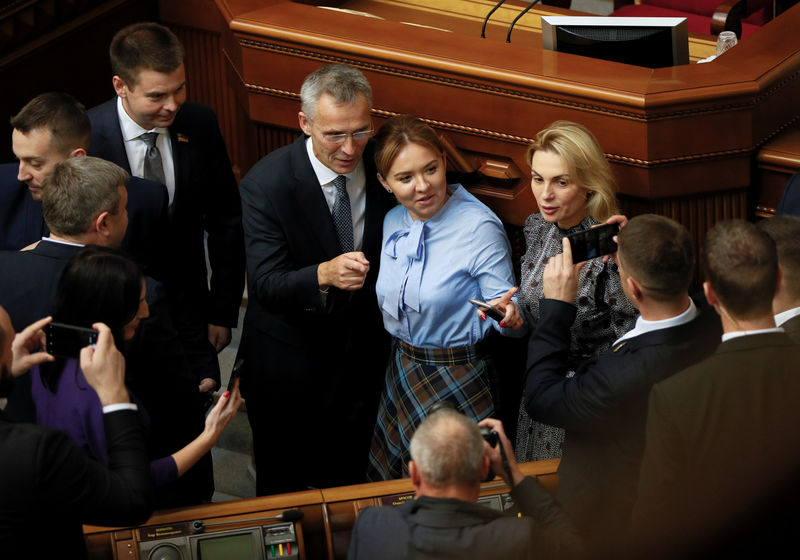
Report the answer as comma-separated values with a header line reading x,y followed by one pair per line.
x,y
688,132
778,160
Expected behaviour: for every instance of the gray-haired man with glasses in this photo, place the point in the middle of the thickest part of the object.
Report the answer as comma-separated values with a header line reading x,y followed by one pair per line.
x,y
313,343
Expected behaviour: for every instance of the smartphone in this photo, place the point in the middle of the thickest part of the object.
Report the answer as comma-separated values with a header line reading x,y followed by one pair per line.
x,y
66,341
593,242
235,373
489,309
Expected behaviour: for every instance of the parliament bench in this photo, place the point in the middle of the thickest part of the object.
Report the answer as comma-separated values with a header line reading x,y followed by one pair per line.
x,y
323,532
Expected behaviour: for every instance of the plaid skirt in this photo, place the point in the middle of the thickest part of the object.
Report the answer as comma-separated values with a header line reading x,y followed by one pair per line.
x,y
416,379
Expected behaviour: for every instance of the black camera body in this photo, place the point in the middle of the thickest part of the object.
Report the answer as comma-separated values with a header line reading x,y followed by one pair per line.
x,y
489,436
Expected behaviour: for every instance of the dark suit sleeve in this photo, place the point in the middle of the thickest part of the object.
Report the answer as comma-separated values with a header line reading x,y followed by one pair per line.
x,y
578,402
223,223
121,494
558,533
274,280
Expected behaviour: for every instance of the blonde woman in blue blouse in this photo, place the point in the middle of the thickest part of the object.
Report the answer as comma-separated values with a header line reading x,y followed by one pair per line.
x,y
441,247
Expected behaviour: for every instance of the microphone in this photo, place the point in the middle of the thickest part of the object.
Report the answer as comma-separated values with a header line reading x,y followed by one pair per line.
x,y
486,19
290,516
522,13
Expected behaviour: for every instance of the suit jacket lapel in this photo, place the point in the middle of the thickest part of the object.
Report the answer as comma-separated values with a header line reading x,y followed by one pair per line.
x,y
375,211
312,201
110,132
181,160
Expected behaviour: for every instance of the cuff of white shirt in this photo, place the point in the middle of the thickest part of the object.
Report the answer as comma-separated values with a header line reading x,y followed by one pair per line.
x,y
120,406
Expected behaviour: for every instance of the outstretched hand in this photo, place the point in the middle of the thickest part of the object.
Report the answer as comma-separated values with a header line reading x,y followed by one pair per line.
x,y
511,316
560,278
622,221
25,345
496,458
346,272
104,368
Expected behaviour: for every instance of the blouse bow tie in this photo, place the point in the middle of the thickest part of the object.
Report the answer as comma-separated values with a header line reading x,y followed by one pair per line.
x,y
407,249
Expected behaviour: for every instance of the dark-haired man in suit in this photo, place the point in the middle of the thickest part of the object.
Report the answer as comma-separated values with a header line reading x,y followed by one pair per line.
x,y
603,406
48,129
720,471
313,339
150,130
83,203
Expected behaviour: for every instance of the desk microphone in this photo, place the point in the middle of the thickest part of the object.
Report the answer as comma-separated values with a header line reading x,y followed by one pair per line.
x,y
290,516
513,23
486,19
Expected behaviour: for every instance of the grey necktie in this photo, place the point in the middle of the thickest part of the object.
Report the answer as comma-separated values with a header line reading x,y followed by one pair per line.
x,y
153,167
341,214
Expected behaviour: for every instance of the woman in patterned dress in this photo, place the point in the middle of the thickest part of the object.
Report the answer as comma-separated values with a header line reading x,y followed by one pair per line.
x,y
574,189
441,247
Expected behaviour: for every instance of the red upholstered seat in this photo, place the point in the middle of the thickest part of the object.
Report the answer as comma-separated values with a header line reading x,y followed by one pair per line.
x,y
697,23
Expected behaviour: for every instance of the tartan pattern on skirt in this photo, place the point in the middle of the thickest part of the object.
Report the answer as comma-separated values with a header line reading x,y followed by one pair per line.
x,y
416,379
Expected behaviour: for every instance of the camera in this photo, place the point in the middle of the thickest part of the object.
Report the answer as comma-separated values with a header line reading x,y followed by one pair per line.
x,y
489,436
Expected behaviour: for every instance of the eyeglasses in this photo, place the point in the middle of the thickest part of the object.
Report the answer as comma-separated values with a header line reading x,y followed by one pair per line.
x,y
337,139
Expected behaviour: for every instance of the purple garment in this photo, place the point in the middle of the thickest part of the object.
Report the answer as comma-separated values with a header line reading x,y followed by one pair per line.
x,y
76,410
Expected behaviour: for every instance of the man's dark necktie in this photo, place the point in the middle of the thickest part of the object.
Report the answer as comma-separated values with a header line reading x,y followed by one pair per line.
x,y
153,167
342,216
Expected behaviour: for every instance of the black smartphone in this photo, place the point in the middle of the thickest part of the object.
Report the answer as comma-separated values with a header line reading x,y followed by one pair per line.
x,y
66,341
593,242
235,373
490,310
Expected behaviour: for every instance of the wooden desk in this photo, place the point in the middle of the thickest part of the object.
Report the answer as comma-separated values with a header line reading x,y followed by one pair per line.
x,y
778,160
328,514
682,140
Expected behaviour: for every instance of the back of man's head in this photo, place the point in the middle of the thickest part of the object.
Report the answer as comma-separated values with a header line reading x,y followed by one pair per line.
x,y
144,46
785,232
341,81
448,450
63,115
79,190
657,252
741,264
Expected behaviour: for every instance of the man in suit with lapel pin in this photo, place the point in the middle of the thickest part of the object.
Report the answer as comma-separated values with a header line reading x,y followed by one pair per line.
x,y
313,339
151,131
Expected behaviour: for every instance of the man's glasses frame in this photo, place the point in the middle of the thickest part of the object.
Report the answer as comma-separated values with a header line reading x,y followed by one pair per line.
x,y
341,138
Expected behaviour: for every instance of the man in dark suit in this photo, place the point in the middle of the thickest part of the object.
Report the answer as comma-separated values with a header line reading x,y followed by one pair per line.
x,y
84,203
604,405
448,461
150,130
48,129
790,199
313,341
48,483
785,232
720,471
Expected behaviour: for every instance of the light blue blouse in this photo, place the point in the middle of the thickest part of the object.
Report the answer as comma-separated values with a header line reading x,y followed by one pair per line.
x,y
429,271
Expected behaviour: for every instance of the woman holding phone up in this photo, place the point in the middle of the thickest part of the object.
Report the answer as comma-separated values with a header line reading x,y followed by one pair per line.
x,y
441,247
574,189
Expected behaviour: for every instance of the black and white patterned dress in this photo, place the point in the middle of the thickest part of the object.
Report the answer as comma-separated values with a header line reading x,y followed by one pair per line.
x,y
604,314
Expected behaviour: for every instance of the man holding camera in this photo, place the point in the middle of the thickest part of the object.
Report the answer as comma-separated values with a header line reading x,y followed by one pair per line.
x,y
448,461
